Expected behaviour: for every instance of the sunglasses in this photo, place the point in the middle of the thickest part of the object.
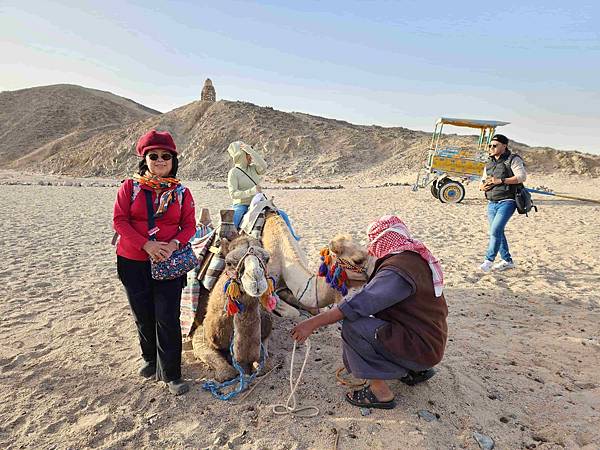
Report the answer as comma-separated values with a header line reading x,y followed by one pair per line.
x,y
493,145
164,157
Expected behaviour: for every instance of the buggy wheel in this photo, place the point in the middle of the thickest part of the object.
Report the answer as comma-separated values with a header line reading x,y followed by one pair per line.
x,y
451,192
434,189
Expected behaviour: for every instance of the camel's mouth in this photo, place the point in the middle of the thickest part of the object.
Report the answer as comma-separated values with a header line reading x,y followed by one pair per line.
x,y
254,288
253,279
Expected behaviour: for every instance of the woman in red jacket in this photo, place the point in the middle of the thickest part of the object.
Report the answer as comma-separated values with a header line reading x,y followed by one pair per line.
x,y
155,304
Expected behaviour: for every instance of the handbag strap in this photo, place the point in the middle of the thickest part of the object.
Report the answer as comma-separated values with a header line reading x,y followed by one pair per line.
x,y
150,213
244,172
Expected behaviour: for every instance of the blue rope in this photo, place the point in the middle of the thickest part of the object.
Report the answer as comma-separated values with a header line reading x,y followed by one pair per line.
x,y
243,380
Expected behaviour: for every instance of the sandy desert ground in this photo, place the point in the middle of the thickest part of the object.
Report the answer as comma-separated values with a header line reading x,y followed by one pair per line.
x,y
522,364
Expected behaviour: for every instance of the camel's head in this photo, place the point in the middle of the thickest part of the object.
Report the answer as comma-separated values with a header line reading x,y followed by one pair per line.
x,y
246,261
347,249
343,265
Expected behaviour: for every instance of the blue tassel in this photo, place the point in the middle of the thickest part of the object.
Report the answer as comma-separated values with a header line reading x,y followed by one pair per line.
x,y
323,269
337,273
240,305
344,290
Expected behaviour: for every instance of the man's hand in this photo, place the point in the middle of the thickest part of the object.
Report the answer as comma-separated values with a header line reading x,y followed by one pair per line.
x,y
488,184
302,331
258,189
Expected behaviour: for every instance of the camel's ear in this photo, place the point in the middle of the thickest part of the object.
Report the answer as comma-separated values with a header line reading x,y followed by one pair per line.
x,y
344,246
339,243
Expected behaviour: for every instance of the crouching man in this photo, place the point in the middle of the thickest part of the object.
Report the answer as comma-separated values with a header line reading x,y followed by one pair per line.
x,y
395,326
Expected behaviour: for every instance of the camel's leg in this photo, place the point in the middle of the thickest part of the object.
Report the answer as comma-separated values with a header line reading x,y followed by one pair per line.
x,y
211,357
287,307
215,360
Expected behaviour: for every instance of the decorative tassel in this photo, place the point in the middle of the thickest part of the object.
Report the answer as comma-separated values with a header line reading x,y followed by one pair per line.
x,y
233,289
269,303
268,300
325,261
335,275
231,307
233,292
323,269
343,277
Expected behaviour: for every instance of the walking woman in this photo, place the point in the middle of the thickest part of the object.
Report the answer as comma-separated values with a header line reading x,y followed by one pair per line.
x,y
155,304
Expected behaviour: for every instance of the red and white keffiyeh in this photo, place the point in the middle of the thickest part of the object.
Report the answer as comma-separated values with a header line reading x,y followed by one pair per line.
x,y
389,235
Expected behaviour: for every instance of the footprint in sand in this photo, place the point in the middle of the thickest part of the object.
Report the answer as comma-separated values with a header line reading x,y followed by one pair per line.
x,y
84,310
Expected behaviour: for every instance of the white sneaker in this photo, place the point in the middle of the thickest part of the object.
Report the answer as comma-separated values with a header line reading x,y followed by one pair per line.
x,y
503,265
486,266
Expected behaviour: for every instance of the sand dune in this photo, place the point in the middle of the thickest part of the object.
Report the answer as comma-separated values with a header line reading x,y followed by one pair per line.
x,y
521,366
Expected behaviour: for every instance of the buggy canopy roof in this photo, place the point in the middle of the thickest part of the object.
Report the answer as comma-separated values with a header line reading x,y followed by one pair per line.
x,y
471,123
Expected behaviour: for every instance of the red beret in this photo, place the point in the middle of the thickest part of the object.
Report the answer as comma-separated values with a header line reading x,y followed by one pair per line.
x,y
155,139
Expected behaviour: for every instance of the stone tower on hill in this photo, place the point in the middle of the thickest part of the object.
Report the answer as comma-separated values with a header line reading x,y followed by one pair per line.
x,y
208,92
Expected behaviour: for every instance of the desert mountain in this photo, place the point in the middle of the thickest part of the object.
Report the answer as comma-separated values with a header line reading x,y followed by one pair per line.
x,y
295,144
43,120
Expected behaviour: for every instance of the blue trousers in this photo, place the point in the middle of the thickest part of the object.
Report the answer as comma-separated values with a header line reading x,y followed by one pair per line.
x,y
499,213
240,210
238,214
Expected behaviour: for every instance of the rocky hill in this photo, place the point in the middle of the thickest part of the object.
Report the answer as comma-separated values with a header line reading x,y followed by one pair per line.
x,y
38,122
295,144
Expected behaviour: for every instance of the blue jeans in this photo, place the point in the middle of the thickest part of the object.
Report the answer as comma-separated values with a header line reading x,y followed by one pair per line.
x,y
238,215
241,210
499,214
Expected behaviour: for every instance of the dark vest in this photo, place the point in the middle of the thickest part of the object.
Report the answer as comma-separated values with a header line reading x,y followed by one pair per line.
x,y
417,329
500,169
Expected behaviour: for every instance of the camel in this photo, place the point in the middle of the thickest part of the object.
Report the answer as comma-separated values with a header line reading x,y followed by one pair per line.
x,y
248,327
295,283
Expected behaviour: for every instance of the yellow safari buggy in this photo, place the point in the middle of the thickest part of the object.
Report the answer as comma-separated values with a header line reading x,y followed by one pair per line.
x,y
449,167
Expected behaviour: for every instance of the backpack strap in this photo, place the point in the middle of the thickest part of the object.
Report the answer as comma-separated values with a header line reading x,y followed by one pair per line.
x,y
508,163
136,190
150,213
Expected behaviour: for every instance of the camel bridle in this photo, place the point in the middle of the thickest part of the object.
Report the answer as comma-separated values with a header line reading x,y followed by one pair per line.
x,y
235,273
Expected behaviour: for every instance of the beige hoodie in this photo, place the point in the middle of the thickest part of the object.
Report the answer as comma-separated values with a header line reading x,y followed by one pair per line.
x,y
241,187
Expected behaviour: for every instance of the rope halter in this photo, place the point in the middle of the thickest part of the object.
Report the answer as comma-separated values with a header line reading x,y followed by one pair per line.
x,y
233,286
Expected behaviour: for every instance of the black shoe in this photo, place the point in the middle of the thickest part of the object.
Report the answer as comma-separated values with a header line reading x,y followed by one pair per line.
x,y
413,377
178,387
148,369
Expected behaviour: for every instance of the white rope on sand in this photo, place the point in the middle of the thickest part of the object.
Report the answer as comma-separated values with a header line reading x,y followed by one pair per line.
x,y
290,406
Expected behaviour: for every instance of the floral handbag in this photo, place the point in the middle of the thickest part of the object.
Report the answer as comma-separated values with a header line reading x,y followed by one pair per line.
x,y
179,263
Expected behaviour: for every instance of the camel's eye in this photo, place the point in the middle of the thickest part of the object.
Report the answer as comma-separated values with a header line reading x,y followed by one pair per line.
x,y
228,263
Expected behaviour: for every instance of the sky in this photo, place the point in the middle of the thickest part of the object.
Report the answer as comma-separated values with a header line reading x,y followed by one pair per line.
x,y
535,64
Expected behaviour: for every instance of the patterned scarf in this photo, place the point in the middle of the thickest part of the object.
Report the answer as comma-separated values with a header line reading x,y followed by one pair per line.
x,y
159,183
389,235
